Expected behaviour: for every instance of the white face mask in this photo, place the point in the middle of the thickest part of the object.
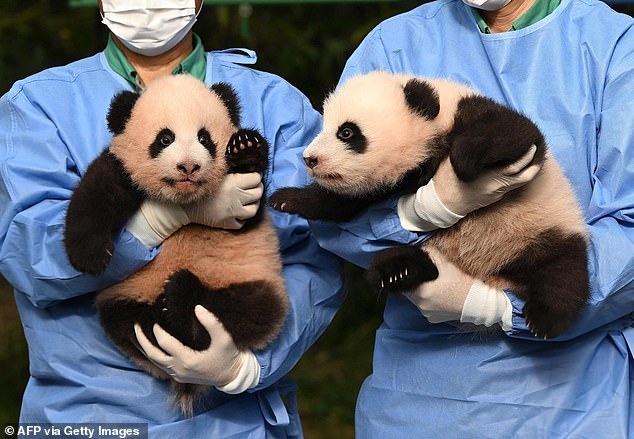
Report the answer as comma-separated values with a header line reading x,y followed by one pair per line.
x,y
149,27
487,5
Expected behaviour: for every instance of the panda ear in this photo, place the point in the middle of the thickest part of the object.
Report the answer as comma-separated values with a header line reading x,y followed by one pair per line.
x,y
120,109
230,99
421,98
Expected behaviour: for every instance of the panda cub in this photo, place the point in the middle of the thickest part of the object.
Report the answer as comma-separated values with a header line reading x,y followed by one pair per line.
x,y
176,142
385,134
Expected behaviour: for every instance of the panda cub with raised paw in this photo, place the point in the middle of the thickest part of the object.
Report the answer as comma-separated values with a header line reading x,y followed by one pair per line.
x,y
386,134
175,142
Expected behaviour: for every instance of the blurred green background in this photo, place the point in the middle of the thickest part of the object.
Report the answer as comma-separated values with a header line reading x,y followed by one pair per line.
x,y
305,42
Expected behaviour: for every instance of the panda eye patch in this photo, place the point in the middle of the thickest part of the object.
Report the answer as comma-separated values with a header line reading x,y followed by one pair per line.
x,y
163,139
350,134
204,138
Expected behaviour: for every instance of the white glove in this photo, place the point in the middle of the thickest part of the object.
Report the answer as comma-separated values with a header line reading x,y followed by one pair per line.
x,y
237,200
221,365
456,296
445,200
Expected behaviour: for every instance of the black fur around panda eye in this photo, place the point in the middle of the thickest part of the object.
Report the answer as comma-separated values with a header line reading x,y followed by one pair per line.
x,y
204,138
163,139
350,134
347,131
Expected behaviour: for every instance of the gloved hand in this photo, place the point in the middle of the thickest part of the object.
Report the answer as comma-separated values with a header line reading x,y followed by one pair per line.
x,y
454,295
221,365
445,200
237,200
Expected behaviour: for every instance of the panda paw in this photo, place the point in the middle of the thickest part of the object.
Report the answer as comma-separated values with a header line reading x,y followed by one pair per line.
x,y
284,200
297,201
92,256
546,320
400,269
247,151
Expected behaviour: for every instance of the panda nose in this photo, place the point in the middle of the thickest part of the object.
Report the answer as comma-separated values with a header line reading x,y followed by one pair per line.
x,y
188,168
311,161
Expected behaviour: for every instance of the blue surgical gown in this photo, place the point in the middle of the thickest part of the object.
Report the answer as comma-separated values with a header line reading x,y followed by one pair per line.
x,y
573,73
52,125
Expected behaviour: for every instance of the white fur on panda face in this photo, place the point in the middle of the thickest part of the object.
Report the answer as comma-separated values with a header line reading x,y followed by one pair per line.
x,y
186,166
396,139
179,111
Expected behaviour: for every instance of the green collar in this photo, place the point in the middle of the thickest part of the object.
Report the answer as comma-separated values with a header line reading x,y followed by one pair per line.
x,y
539,10
195,64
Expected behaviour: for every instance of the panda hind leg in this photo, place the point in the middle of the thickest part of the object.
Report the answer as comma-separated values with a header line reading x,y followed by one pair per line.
x,y
487,136
118,318
557,287
175,309
247,151
400,269
252,312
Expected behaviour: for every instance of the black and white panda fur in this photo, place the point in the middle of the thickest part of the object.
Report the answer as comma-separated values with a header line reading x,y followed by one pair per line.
x,y
385,134
175,142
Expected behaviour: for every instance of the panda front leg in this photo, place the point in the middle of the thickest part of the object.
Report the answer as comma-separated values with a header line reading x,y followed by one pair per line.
x,y
252,312
488,136
401,269
313,202
100,205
